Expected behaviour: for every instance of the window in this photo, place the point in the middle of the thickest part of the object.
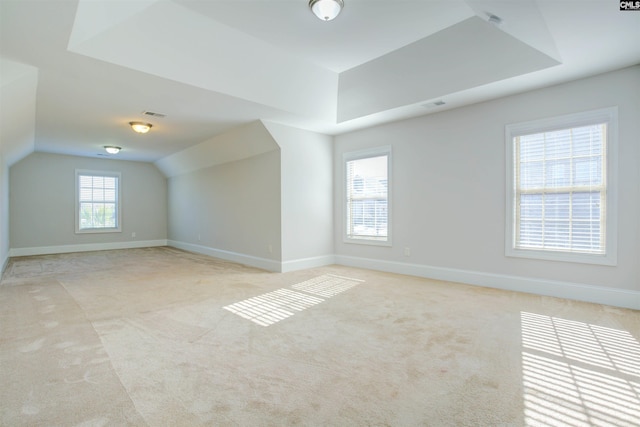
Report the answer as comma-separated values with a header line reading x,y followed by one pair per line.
x,y
97,201
367,213
561,198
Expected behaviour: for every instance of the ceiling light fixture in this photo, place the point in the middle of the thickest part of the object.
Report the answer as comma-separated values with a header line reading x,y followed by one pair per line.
x,y
326,9
140,127
112,149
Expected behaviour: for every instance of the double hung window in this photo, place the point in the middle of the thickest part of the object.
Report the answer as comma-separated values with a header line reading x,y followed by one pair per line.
x,y
97,201
561,192
367,215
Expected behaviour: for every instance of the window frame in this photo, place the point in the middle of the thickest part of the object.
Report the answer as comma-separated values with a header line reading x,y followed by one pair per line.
x,y
87,172
604,115
360,155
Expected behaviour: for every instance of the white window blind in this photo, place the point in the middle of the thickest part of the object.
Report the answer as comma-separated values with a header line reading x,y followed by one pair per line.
x,y
561,190
367,204
97,201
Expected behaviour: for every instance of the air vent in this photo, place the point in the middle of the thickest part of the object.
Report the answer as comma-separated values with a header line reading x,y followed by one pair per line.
x,y
433,104
494,19
154,114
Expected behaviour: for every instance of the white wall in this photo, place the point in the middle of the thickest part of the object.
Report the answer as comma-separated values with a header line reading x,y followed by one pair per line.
x,y
4,214
449,194
42,205
231,210
307,196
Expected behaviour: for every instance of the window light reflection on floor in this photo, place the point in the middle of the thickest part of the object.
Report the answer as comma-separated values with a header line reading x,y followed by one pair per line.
x,y
275,306
578,374
327,285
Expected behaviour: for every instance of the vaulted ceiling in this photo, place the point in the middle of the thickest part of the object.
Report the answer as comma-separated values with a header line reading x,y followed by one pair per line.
x,y
75,72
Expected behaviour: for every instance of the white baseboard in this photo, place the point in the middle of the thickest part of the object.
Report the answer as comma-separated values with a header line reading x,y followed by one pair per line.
x,y
5,262
265,264
304,263
62,249
575,291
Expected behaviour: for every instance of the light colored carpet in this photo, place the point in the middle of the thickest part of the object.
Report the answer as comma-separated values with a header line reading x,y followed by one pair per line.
x,y
162,337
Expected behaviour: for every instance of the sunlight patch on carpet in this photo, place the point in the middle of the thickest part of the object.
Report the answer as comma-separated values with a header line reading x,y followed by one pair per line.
x,y
578,374
272,307
327,285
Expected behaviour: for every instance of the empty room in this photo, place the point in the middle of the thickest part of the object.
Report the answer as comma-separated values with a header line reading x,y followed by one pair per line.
x,y
320,213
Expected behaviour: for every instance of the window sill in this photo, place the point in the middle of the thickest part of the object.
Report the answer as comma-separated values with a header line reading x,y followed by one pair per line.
x,y
98,230
608,259
370,242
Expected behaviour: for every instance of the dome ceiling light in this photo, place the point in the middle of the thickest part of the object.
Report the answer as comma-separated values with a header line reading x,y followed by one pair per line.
x,y
140,127
112,149
326,9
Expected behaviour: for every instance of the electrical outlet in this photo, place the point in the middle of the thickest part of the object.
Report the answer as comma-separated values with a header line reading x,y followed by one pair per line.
x,y
407,252
270,249
199,238
133,235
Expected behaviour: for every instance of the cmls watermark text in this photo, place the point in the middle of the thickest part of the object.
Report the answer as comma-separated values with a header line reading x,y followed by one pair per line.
x,y
629,5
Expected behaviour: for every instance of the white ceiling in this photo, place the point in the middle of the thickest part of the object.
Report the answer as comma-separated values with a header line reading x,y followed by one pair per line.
x,y
213,65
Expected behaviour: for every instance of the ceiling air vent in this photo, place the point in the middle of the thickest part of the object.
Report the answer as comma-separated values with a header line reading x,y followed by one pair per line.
x,y
434,104
153,114
493,19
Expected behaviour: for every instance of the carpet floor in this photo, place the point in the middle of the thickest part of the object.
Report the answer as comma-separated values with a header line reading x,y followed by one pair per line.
x,y
163,337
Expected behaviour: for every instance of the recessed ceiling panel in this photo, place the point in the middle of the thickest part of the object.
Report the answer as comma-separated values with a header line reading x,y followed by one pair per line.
x,y
170,41
364,30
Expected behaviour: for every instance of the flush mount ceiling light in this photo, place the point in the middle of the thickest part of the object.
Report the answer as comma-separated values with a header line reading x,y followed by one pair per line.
x,y
140,127
112,149
326,9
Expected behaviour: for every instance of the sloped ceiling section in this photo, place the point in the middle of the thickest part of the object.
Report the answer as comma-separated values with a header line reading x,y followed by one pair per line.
x,y
206,46
520,19
240,143
18,89
466,55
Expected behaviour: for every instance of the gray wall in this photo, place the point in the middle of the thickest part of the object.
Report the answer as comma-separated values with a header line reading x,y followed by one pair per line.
x,y
448,196
272,210
18,87
233,207
42,201
449,184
